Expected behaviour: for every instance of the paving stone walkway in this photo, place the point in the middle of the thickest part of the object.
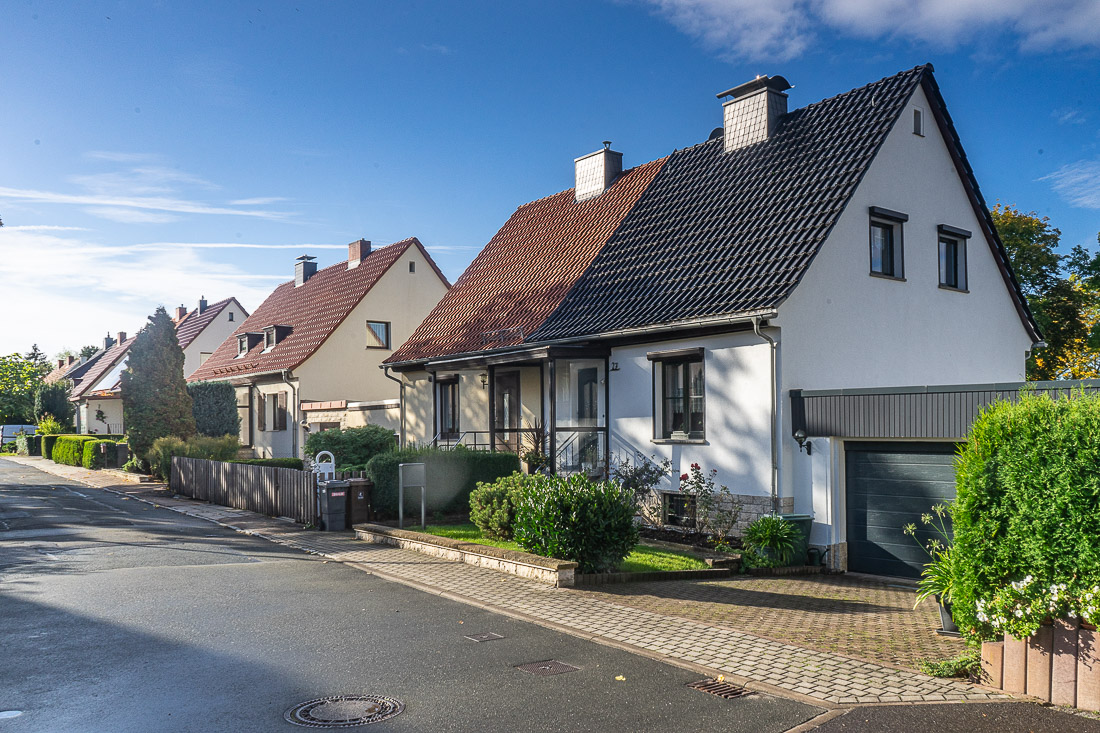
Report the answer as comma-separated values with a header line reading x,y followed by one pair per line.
x,y
756,662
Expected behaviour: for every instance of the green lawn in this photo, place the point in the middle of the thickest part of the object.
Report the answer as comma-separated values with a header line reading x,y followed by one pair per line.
x,y
643,559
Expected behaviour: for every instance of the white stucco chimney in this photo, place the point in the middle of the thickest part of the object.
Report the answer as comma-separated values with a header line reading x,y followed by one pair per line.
x,y
596,172
753,112
357,252
304,269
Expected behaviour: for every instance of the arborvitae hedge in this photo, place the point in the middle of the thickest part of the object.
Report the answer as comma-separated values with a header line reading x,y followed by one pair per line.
x,y
352,446
69,449
1027,512
93,457
214,405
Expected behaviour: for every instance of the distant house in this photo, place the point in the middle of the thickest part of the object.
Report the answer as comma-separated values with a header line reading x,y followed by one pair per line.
x,y
307,359
97,392
73,369
687,307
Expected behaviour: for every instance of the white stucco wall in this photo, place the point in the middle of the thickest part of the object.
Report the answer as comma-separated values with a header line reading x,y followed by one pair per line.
x,y
738,408
112,410
211,337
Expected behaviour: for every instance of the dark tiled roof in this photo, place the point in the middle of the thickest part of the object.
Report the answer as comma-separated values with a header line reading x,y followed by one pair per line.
x,y
102,366
721,233
313,310
523,273
188,329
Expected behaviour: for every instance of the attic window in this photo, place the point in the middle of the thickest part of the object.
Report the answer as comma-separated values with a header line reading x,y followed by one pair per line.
x,y
918,121
378,334
412,267
269,338
274,335
887,243
242,345
230,316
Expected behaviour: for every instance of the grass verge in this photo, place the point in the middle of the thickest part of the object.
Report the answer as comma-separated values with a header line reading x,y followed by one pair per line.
x,y
643,559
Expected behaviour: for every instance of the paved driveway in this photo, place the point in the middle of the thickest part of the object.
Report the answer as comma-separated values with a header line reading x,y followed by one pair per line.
x,y
859,618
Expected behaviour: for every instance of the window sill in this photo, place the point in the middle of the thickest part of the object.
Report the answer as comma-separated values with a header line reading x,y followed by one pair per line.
x,y
954,290
887,277
687,441
378,348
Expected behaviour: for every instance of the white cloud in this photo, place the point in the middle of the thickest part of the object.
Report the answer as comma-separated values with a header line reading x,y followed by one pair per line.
x,y
257,201
154,203
1078,183
130,216
43,228
119,157
783,29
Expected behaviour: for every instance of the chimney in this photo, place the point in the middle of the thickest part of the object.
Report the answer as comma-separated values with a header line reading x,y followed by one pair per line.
x,y
753,113
181,311
108,342
357,252
121,336
71,358
596,172
61,362
304,270
202,304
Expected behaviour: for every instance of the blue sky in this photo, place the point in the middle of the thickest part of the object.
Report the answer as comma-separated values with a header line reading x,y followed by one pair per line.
x,y
155,152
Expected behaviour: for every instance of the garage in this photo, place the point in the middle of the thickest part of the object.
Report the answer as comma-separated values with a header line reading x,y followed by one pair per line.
x,y
888,485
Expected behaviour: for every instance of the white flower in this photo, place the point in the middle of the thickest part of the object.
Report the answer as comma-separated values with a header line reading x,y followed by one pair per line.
x,y
1019,613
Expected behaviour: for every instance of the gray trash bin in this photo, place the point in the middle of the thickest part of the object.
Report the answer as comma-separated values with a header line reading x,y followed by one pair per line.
x,y
333,497
802,546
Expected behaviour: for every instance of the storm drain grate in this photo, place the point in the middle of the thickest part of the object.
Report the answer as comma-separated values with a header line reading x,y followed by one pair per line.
x,y
547,668
719,688
343,711
487,636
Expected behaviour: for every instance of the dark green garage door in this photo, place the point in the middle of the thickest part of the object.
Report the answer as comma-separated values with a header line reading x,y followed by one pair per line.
x,y
888,486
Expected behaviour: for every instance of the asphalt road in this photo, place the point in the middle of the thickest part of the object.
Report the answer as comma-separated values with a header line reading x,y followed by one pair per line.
x,y
118,617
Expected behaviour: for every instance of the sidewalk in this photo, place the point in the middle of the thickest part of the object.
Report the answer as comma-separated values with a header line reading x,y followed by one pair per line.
x,y
819,677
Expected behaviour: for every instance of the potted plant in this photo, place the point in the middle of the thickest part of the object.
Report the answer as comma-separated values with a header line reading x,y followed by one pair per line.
x,y
937,580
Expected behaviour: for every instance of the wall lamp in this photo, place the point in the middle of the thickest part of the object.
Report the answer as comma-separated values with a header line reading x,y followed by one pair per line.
x,y
484,380
800,438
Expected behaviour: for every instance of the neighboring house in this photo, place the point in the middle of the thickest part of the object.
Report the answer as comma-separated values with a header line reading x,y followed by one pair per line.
x,y
308,357
74,369
682,308
97,393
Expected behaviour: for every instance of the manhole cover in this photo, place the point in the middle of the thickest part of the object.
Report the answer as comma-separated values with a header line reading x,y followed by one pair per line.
x,y
343,711
487,636
547,668
719,688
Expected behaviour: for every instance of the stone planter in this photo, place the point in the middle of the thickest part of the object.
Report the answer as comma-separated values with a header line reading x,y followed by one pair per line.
x,y
1060,664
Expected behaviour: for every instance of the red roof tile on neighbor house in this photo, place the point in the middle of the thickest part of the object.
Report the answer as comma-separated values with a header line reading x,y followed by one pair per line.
x,y
192,324
313,311
105,363
525,271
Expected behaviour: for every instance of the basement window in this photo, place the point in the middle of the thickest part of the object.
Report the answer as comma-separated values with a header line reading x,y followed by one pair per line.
x,y
887,243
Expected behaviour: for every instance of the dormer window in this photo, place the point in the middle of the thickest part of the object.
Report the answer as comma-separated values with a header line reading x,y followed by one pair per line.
x,y
269,338
246,342
274,335
242,344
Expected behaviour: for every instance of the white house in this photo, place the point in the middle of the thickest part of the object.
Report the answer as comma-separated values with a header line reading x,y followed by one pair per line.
x,y
685,307
97,391
307,359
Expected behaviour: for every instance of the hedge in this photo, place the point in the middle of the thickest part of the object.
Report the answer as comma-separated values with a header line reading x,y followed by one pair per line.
x,y
28,445
160,455
352,446
1027,516
451,475
273,462
214,406
73,455
94,458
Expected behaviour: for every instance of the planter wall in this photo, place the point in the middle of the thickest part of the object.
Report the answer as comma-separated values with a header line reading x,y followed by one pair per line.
x,y
1059,664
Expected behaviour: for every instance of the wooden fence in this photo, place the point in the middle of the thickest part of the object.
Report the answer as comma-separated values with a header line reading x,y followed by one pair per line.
x,y
276,492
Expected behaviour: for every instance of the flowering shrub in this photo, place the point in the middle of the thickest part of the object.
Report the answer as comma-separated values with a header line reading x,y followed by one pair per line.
x,y
1021,606
716,511
641,478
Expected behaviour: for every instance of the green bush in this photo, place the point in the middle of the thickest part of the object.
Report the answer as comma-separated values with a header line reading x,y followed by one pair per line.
x,y
769,542
224,448
274,462
53,400
451,475
352,446
214,405
493,505
28,445
9,448
69,449
576,519
94,458
49,425
1027,516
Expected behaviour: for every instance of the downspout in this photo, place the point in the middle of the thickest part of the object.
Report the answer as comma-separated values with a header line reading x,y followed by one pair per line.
x,y
401,395
775,458
285,374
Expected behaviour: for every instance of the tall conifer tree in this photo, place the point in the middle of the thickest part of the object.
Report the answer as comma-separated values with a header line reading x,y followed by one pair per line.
x,y
155,402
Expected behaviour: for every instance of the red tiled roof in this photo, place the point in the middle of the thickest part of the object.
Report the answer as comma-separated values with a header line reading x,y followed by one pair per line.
x,y
313,311
192,324
525,271
101,367
57,374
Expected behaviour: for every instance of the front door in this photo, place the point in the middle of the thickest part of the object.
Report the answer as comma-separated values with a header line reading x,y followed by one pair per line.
x,y
506,420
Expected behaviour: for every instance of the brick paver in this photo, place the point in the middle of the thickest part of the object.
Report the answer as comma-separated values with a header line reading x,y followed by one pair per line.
x,y
749,658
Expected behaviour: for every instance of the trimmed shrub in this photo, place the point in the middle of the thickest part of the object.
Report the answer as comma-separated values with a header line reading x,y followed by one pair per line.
x,y
69,449
214,405
493,505
28,445
224,448
94,458
352,446
590,523
451,475
1027,516
274,462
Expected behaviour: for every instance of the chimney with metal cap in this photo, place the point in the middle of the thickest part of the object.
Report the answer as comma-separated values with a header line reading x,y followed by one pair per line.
x,y
357,252
202,304
304,270
108,342
181,311
595,172
753,112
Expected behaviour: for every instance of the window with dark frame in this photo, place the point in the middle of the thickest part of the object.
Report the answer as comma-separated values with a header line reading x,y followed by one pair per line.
x,y
952,257
918,121
681,401
242,345
886,243
230,315
448,408
269,338
412,267
278,417
261,412
378,334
